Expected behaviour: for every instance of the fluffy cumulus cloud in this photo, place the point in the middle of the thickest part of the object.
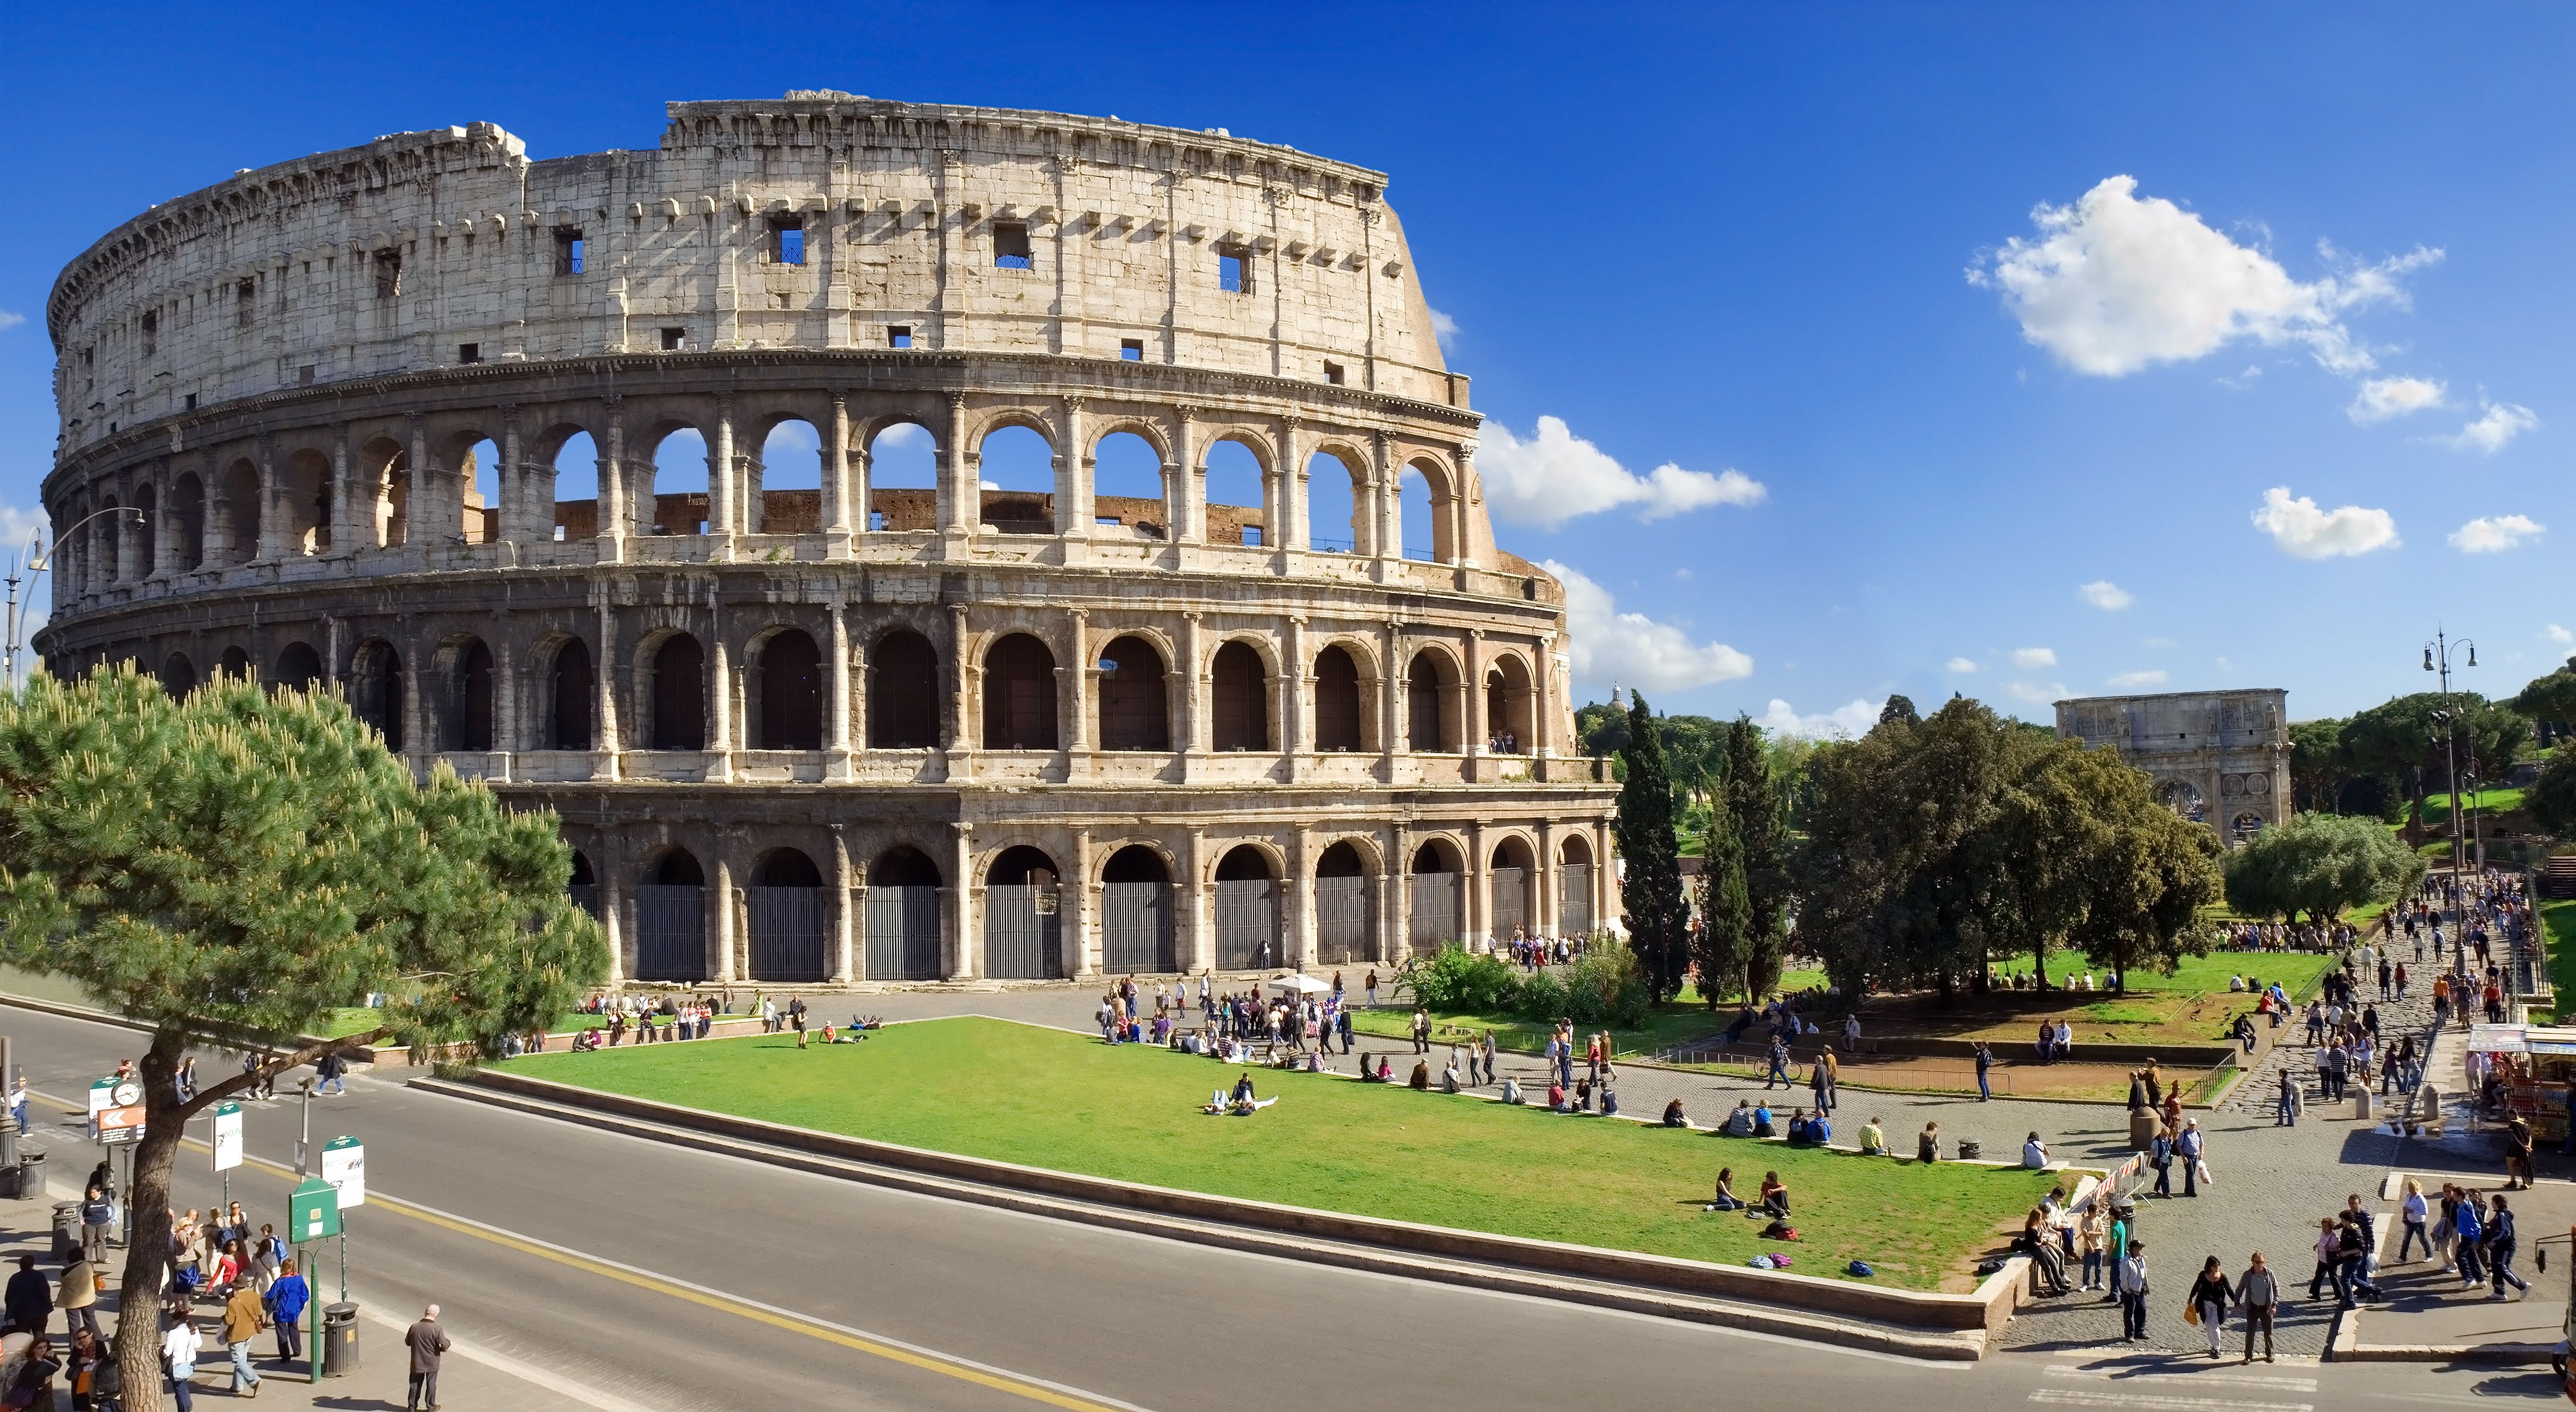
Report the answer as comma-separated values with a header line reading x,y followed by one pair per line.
x,y
1841,723
2107,596
2131,681
2383,398
1961,664
1631,649
2305,532
2497,424
1555,476
9,320
2028,657
2112,283
1443,327
2494,534
2559,635
2039,693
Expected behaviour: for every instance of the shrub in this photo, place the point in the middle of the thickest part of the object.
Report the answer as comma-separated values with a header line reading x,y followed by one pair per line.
x,y
1457,980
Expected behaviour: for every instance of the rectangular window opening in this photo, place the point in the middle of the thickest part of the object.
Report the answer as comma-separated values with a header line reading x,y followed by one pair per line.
x,y
1333,374
787,240
675,340
151,332
245,302
304,376
1252,535
1010,245
898,335
1111,521
1132,349
192,402
469,352
569,250
876,519
559,534
388,274
1234,269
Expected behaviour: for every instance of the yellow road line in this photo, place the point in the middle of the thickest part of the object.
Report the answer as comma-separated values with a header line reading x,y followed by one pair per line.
x,y
924,1359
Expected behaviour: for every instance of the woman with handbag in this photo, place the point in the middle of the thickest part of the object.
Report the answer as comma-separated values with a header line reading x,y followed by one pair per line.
x,y
2210,1296
179,1356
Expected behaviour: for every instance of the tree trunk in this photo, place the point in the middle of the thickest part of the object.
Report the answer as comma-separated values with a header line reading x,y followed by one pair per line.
x,y
147,1228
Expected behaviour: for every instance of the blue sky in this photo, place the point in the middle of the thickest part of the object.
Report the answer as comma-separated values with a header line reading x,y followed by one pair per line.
x,y
1981,305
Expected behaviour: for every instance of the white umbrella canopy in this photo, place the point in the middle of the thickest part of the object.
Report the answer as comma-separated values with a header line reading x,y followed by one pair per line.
x,y
1298,985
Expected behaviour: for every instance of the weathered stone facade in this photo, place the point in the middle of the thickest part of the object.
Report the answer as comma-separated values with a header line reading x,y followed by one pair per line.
x,y
850,733
2220,758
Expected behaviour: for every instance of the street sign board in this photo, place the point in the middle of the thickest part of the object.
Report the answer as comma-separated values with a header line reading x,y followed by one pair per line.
x,y
312,1211
228,1136
344,1165
120,1125
102,1094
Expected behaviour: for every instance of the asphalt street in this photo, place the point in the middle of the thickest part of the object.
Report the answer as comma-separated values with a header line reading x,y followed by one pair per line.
x,y
659,1276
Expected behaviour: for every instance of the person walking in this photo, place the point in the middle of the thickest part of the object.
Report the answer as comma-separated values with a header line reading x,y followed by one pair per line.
x,y
243,1319
179,1355
2469,1223
18,1105
28,1299
287,1298
1779,1065
2190,1147
1421,1030
97,1214
427,1342
2129,1282
1820,1079
77,1297
1985,1061
2210,1296
2257,1292
2412,1211
2499,1250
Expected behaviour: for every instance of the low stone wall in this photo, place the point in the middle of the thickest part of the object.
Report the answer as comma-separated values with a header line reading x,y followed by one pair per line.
x,y
1989,1308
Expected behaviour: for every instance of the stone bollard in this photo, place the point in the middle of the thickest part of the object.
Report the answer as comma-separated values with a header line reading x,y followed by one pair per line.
x,y
2143,1127
2361,1103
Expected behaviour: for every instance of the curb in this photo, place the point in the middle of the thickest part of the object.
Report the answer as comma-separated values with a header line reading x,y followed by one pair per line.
x,y
1966,1345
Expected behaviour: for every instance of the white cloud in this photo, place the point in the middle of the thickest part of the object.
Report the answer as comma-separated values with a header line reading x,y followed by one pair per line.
x,y
2112,284
900,434
2383,398
2107,596
2560,635
1961,664
1632,649
1556,475
1443,327
2303,531
2131,681
1841,723
2027,657
2039,694
2497,424
9,320
2494,535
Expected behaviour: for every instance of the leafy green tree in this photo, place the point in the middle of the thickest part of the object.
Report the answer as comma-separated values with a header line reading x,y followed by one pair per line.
x,y
2407,738
2551,698
2553,800
1725,938
1899,709
230,868
1650,893
2320,767
1762,840
2319,866
2148,891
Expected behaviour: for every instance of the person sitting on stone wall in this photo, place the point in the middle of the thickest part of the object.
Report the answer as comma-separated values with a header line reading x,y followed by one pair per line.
x,y
1740,1122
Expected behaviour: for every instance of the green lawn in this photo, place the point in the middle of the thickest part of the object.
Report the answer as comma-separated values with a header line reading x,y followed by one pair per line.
x,y
2296,971
1684,1020
2558,923
357,1021
1017,1093
2487,801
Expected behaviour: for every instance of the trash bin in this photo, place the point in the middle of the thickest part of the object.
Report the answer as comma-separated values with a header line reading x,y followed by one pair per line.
x,y
30,1174
339,1340
67,1232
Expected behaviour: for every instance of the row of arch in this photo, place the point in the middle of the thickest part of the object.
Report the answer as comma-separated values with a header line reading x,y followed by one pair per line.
x,y
787,686
896,918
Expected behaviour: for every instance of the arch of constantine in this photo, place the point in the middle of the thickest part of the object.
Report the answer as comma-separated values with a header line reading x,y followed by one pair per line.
x,y
903,542
2220,758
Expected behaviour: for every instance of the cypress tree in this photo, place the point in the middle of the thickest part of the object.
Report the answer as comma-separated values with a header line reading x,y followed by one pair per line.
x,y
1763,842
1723,943
1650,892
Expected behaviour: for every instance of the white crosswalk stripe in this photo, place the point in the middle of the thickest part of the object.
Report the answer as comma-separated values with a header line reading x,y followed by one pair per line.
x,y
2158,1401
2132,1376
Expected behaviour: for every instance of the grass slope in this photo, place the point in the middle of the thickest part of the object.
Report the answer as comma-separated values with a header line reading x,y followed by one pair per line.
x,y
1016,1093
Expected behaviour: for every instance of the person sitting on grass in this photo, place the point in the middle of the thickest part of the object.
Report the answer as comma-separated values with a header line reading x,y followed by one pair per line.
x,y
1820,1130
1873,1142
1385,1070
1740,1122
1927,1147
1556,1099
1421,1081
1798,1127
1243,1088
1673,1115
1726,1199
2034,1153
1775,1196
1762,1121
1449,1077
1609,1100
586,1041
828,1035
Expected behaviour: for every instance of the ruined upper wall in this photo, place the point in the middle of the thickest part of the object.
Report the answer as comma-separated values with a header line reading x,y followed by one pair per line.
x,y
432,248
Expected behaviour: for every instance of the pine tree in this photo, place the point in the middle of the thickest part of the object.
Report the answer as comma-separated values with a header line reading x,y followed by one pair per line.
x,y
1650,893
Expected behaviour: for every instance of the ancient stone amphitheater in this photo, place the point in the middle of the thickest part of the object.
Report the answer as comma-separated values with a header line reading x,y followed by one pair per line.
x,y
507,451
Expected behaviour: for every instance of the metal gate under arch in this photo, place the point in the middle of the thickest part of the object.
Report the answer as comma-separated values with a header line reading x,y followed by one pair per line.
x,y
787,940
1574,899
1247,924
1022,936
903,934
1431,919
670,933
1136,928
1511,901
1343,934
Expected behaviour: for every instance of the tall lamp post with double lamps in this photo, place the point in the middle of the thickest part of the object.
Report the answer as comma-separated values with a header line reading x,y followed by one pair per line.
x,y
35,559
2437,658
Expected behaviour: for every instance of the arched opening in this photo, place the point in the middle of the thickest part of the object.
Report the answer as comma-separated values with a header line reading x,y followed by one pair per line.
x,y
571,697
1507,708
671,920
1128,497
1240,685
1247,911
478,473
1022,940
678,691
903,917
903,478
178,675
467,712
188,511
1015,468
235,663
1019,695
307,502
1424,502
1238,507
1332,505
788,677
785,482
147,533
1429,715
583,888
2243,829
784,906
1337,701
1135,709
2183,797
1345,915
1574,887
1510,879
576,488
385,465
1136,932
298,667
238,505
376,691
1431,914
903,693
675,502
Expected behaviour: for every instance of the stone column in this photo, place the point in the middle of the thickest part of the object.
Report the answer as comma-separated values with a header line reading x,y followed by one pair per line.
x,y
331,627
836,479
1605,878
1288,527
1396,924
613,524
505,691
431,520
836,737
724,513
272,509
1386,538
1462,506
1075,497
1390,700
719,708
612,910
1074,692
1476,924
604,687
1295,744
521,514
961,701
1193,683
1471,719
416,742
1187,480
1301,901
1543,898
1081,927
842,901
966,949
960,506
352,513
721,934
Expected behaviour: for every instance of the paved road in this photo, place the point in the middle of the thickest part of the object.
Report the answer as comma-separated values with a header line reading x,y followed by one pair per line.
x,y
663,1277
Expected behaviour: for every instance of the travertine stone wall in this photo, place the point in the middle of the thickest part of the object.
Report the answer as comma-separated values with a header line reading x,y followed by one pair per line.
x,y
2221,758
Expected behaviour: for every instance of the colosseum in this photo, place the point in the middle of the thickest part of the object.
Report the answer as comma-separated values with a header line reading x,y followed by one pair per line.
x,y
902,542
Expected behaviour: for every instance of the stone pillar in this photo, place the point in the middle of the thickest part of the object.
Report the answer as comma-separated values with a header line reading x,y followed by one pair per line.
x,y
1301,901
1386,538
961,701
331,627
1198,940
1396,924
1075,495
416,742
724,480
1544,901
505,691
1187,480
1462,505
1475,924
721,933
1390,699
719,708
523,516
1074,691
966,948
1605,878
353,512
1471,719
836,730
272,508
1081,927
612,910
430,520
843,890
1295,742
613,526
1193,683
1288,522
836,479
604,685
960,506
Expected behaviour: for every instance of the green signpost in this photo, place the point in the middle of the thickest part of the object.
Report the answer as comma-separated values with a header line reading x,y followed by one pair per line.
x,y
312,1215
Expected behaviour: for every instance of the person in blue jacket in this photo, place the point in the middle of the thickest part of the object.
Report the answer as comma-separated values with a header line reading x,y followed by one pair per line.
x,y
287,1298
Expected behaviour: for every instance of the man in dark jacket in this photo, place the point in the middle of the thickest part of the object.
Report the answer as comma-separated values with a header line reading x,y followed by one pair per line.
x,y
427,1341
29,1299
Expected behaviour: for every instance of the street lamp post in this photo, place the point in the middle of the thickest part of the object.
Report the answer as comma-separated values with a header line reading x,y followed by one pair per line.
x,y
2437,658
35,559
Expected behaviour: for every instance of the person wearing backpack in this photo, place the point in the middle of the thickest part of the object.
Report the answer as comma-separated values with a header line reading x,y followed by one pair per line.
x,y
2499,1250
2471,1231
2160,1154
2129,1282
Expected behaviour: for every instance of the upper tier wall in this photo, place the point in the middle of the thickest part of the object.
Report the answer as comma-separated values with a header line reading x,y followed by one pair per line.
x,y
427,249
